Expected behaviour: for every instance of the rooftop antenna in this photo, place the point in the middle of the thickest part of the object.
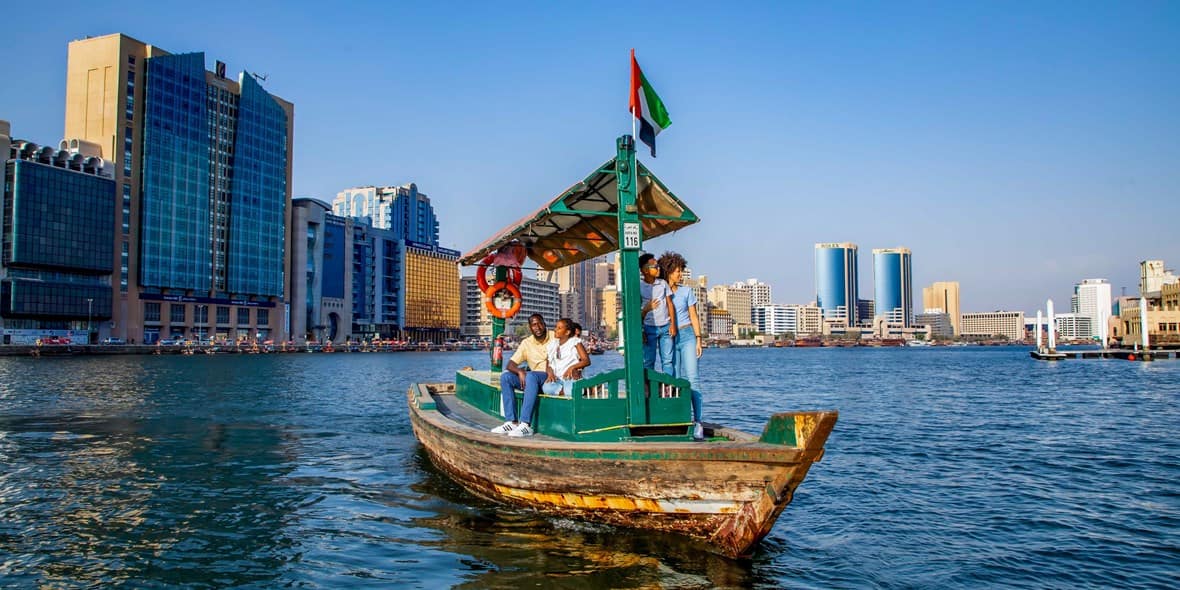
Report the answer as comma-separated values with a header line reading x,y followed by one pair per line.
x,y
261,77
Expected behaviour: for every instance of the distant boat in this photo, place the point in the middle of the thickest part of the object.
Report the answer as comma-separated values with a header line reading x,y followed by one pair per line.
x,y
808,342
917,343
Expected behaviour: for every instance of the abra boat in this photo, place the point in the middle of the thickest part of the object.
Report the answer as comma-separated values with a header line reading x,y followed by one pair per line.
x,y
619,449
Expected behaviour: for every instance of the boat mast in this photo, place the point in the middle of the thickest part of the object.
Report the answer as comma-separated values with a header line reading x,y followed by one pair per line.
x,y
630,243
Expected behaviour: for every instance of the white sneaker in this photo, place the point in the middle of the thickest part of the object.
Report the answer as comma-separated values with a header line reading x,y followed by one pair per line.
x,y
522,430
504,428
698,431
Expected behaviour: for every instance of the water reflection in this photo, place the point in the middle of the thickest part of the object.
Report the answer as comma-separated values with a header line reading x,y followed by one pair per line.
x,y
552,552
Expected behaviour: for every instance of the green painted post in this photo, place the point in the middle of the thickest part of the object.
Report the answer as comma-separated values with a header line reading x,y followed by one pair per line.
x,y
497,324
631,241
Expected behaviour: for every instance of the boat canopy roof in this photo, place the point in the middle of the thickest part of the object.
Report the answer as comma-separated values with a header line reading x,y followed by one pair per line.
x,y
582,222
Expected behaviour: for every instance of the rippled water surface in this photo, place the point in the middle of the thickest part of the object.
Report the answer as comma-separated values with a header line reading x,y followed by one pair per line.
x,y
949,468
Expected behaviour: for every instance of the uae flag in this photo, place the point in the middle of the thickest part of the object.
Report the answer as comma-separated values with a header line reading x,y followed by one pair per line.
x,y
647,107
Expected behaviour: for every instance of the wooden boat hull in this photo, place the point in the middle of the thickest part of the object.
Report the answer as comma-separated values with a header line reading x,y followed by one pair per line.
x,y
727,492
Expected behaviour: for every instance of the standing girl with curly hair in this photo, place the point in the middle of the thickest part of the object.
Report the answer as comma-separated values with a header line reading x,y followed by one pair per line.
x,y
689,341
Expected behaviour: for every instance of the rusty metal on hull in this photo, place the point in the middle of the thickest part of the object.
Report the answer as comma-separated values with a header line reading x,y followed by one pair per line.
x,y
728,494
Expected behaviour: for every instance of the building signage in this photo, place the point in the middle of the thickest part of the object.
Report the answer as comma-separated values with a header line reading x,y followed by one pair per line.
x,y
204,300
429,248
630,236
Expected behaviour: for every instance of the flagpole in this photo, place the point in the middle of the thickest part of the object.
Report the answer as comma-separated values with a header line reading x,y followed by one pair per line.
x,y
631,94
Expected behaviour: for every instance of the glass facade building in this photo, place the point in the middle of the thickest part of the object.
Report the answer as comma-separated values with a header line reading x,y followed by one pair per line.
x,y
836,283
214,182
893,286
400,209
58,243
175,233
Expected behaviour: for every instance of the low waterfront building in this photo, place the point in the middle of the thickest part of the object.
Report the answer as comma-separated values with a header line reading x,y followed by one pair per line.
x,y
57,262
1007,324
808,320
938,324
1072,326
1163,318
720,323
777,319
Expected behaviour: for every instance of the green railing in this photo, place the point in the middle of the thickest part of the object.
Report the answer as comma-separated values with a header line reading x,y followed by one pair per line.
x,y
597,409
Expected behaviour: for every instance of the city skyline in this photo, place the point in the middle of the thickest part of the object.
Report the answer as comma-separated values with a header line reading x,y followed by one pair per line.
x,y
1007,147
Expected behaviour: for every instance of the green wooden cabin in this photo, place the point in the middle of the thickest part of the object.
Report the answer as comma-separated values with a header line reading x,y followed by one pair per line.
x,y
616,208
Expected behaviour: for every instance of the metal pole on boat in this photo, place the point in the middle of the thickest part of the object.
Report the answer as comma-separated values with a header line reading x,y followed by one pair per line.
x,y
497,362
631,234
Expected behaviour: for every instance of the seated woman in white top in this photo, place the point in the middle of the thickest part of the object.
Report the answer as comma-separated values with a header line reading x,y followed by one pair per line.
x,y
567,358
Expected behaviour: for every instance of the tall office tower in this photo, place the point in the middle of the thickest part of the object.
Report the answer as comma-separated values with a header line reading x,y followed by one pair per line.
x,y
1152,276
1093,301
56,267
836,280
401,209
204,170
943,297
893,289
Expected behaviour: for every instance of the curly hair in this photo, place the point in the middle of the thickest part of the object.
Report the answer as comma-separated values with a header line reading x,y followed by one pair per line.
x,y
670,261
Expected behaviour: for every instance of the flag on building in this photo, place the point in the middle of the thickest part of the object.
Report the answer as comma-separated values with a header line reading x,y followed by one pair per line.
x,y
647,107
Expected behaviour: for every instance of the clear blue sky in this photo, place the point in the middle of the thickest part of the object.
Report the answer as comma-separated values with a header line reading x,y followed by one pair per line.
x,y
1015,147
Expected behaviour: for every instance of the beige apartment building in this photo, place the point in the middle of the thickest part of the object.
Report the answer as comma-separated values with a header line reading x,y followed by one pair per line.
x,y
204,175
1009,324
1163,318
943,297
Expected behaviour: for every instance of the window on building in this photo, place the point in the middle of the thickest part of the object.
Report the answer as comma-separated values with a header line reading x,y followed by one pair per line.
x,y
243,316
222,315
131,59
176,314
151,312
263,317
123,257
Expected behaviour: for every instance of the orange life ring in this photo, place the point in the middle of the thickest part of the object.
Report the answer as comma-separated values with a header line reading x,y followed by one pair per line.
x,y
513,275
490,295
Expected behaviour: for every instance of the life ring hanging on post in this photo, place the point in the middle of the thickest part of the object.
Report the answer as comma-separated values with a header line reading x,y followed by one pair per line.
x,y
490,300
513,273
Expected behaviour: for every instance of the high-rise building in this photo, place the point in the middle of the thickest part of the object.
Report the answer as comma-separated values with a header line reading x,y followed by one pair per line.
x,y
836,283
943,297
1092,299
401,209
57,264
893,290
204,170
759,291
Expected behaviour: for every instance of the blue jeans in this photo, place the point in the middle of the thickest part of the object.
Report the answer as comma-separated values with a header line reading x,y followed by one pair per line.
x,y
509,382
657,337
686,365
553,387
